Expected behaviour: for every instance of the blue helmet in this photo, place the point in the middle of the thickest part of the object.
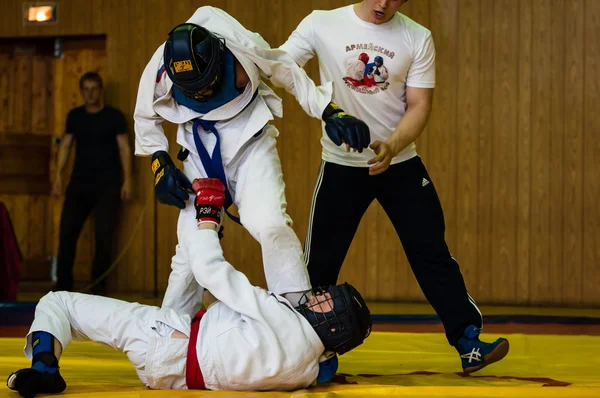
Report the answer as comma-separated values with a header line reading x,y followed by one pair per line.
x,y
378,59
194,59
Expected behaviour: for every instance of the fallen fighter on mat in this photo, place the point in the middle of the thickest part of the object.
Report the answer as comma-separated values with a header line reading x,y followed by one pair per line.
x,y
250,339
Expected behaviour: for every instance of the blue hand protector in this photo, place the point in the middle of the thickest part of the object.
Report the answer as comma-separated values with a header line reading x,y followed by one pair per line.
x,y
171,186
342,127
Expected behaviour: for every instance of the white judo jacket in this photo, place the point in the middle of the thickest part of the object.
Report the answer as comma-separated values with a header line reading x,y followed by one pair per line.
x,y
250,339
156,104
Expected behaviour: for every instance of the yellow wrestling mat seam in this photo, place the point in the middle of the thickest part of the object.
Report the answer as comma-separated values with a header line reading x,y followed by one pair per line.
x,y
388,364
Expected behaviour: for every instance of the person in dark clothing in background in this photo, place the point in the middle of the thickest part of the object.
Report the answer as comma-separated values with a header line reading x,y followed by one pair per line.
x,y
101,177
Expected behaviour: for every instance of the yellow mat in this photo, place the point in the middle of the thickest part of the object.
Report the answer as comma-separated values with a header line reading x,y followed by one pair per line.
x,y
388,364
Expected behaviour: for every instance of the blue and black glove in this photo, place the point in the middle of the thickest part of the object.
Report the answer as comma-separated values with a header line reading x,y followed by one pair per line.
x,y
342,127
171,186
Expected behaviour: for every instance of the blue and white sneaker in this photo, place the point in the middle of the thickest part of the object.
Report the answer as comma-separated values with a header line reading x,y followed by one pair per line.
x,y
476,354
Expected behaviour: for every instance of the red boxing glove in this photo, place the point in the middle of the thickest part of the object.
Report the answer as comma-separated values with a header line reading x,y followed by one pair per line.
x,y
210,198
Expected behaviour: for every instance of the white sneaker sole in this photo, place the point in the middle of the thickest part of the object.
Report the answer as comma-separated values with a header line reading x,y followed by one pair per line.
x,y
11,381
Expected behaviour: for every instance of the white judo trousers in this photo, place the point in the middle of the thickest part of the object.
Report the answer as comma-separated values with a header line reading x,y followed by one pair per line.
x,y
142,332
255,181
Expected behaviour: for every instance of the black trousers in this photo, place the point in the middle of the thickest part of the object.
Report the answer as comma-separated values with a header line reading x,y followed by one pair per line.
x,y
81,198
407,195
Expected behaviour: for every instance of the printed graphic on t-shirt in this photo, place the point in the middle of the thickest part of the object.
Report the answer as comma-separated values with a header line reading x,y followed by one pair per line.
x,y
367,72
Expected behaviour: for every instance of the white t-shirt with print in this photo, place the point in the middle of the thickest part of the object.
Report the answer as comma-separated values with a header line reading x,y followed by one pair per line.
x,y
389,57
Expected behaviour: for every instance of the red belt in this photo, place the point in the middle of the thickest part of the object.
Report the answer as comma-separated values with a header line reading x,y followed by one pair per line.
x,y
193,374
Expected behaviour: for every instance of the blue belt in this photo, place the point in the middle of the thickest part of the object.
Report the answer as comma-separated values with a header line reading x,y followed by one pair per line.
x,y
213,165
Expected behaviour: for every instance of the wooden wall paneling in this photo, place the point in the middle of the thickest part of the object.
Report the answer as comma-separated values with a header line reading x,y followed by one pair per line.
x,y
557,135
59,113
37,230
5,77
420,12
75,17
11,10
41,94
591,155
485,150
100,16
363,260
246,13
389,284
19,215
360,266
523,180
540,156
181,12
51,243
573,107
135,272
442,126
365,249
10,108
22,94
468,137
504,172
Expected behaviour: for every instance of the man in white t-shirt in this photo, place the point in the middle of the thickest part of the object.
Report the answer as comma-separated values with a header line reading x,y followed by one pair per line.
x,y
396,109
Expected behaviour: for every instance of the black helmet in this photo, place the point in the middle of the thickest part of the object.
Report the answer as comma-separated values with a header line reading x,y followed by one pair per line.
x,y
194,59
344,327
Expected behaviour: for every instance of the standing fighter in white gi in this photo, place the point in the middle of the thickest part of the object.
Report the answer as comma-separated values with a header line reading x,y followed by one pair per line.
x,y
212,85
249,340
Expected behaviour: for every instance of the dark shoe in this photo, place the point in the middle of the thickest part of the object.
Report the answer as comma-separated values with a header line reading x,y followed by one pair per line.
x,y
29,382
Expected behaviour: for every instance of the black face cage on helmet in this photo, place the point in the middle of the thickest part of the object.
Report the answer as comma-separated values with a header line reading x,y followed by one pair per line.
x,y
346,326
194,60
